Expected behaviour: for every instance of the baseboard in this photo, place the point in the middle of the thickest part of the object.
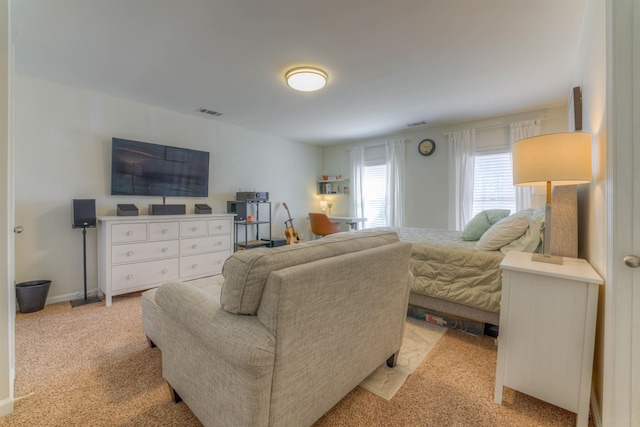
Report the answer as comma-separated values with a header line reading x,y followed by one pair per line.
x,y
6,407
596,415
67,297
71,296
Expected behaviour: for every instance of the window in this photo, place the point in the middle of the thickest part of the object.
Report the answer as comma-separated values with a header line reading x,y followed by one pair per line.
x,y
374,187
493,182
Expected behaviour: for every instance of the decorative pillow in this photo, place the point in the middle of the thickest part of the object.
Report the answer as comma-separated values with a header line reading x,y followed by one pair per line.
x,y
503,232
532,238
482,222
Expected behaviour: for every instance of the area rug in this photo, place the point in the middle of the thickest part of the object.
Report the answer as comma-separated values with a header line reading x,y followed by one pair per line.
x,y
419,338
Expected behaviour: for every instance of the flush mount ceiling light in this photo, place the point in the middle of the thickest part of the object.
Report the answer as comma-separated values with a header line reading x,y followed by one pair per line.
x,y
306,79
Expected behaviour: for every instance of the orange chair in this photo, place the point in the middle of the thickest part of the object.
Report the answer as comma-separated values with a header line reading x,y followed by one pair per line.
x,y
321,225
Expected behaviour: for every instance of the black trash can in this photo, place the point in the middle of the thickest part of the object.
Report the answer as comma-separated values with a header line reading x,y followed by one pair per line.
x,y
32,295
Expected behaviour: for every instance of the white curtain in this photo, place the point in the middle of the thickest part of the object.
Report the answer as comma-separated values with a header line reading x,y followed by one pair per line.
x,y
461,167
395,182
356,166
518,131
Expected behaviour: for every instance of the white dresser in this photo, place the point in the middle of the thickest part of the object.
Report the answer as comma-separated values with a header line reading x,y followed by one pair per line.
x,y
143,252
547,331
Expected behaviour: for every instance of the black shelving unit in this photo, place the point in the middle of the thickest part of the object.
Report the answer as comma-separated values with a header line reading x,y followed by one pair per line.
x,y
260,227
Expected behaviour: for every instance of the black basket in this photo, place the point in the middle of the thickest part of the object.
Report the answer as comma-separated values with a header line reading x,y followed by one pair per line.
x,y
32,295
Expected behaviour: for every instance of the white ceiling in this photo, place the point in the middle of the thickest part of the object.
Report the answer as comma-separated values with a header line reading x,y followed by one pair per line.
x,y
390,62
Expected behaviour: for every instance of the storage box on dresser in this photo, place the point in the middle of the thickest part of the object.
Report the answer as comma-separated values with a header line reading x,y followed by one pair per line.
x,y
143,252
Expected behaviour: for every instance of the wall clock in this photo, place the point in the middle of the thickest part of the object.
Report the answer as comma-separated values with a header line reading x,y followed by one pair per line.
x,y
427,147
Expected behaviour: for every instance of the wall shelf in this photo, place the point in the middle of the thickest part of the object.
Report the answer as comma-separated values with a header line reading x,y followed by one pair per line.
x,y
333,186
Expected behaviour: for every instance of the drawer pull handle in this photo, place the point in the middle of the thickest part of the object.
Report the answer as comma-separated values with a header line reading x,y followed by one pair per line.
x,y
165,231
219,242
129,253
164,271
129,276
129,233
165,249
194,266
195,228
195,245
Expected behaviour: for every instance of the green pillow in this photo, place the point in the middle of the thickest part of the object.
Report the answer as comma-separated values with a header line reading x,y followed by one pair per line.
x,y
482,222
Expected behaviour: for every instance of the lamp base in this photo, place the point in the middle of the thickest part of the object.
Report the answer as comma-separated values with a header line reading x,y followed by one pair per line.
x,y
550,259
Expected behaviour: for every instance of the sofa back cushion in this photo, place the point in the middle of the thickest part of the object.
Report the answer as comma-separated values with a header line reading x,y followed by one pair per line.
x,y
245,273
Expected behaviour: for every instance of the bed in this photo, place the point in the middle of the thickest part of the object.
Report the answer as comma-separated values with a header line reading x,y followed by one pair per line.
x,y
462,277
451,276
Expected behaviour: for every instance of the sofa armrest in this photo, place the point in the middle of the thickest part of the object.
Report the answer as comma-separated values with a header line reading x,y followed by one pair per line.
x,y
241,340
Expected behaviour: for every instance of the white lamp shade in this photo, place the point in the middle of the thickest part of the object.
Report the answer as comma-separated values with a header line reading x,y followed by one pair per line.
x,y
306,79
559,158
323,204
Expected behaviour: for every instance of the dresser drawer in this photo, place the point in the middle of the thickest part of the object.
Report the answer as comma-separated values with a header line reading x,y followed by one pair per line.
x,y
164,230
200,245
144,273
193,228
204,264
144,251
121,233
219,226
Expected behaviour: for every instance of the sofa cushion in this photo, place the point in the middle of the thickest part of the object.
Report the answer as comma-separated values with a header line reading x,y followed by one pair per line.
x,y
245,273
152,314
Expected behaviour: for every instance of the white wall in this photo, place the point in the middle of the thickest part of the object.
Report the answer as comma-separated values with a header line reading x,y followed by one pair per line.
x,y
427,178
590,73
63,151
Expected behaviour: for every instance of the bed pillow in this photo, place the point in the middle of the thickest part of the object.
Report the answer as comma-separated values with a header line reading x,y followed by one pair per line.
x,y
503,232
531,239
480,223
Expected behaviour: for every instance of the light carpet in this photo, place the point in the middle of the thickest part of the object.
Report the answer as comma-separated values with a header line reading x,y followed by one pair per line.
x,y
419,339
91,366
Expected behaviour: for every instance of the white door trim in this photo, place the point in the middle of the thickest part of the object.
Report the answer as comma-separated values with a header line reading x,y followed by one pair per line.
x,y
7,299
622,95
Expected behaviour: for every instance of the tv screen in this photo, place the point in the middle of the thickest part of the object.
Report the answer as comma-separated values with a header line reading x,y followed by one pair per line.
x,y
144,169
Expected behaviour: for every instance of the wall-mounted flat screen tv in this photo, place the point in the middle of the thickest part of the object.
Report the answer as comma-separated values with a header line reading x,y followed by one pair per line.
x,y
144,169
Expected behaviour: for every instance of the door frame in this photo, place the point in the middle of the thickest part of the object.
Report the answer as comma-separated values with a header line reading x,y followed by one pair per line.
x,y
7,299
622,231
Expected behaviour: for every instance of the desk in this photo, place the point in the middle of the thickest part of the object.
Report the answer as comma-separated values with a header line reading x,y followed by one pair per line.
x,y
352,221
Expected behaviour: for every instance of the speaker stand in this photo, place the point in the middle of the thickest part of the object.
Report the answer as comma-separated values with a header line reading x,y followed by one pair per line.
x,y
86,300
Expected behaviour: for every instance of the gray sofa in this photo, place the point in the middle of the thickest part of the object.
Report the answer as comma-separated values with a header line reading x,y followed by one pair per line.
x,y
291,331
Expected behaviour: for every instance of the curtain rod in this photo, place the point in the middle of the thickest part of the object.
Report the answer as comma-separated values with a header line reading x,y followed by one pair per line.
x,y
375,144
506,125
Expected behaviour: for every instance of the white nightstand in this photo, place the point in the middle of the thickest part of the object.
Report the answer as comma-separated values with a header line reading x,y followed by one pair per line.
x,y
547,331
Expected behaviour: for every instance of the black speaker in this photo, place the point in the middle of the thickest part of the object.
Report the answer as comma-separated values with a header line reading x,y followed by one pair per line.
x,y
239,208
127,210
167,209
84,213
203,209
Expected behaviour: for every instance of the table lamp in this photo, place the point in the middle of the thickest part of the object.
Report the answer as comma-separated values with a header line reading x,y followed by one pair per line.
x,y
323,205
553,159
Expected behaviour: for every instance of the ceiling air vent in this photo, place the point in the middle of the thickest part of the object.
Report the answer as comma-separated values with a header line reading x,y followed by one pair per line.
x,y
420,123
210,112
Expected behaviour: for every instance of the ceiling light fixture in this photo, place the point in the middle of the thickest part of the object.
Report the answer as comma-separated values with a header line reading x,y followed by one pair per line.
x,y
306,79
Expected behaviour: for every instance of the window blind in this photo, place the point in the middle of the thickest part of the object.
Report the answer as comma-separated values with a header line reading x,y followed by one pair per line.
x,y
493,182
375,195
